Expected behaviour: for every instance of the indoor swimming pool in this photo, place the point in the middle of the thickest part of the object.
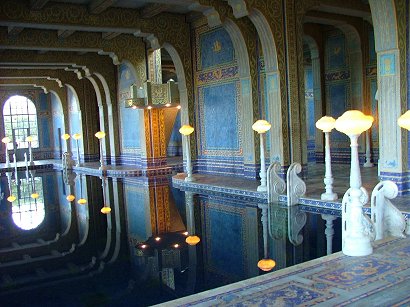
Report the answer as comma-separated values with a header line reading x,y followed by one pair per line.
x,y
58,248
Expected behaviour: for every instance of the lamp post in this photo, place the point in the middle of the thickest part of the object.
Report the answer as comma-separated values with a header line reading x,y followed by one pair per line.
x,y
34,193
30,139
326,124
11,197
262,126
65,137
6,140
357,236
100,135
368,162
266,264
329,232
191,239
186,130
81,201
69,181
106,208
76,137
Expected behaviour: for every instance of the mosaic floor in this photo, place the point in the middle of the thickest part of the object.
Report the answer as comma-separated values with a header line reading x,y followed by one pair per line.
x,y
381,279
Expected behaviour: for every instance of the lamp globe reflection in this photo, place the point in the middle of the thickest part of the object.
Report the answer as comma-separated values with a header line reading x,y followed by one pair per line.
x,y
266,264
261,126
192,240
186,130
70,197
11,198
82,201
100,135
105,210
35,195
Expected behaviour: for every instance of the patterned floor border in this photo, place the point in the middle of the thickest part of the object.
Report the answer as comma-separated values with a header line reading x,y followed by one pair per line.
x,y
304,284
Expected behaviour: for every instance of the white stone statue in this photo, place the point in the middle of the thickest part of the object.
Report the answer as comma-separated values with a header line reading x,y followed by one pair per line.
x,y
387,219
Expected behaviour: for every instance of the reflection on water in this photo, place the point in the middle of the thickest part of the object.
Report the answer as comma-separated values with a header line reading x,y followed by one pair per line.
x,y
137,254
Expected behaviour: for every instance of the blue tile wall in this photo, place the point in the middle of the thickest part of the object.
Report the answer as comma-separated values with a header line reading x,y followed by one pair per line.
x,y
74,123
337,84
335,51
215,48
43,102
129,118
338,105
225,241
58,123
45,129
82,210
175,141
220,117
44,121
136,213
62,191
218,104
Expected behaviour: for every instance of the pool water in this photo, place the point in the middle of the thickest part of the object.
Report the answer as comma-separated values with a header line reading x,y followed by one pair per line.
x,y
56,252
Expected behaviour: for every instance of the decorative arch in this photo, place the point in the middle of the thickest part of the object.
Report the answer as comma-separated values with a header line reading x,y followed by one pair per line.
x,y
183,92
110,116
272,83
101,113
74,124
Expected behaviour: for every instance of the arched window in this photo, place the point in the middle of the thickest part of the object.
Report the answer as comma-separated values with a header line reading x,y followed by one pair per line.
x,y
28,210
20,121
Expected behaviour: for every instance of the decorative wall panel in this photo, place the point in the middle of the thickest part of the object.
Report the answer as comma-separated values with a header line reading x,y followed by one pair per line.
x,y
215,48
138,209
220,119
225,239
338,97
335,52
337,86
218,104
